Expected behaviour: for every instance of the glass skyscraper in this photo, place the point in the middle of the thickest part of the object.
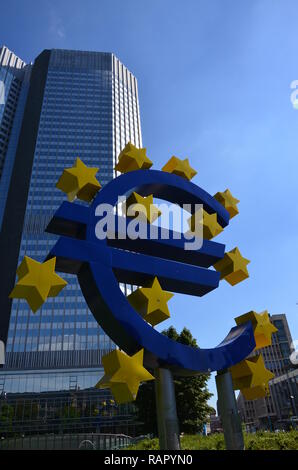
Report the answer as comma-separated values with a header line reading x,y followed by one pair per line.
x,y
13,91
11,75
78,104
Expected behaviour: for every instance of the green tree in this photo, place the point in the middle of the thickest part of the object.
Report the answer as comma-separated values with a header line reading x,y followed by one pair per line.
x,y
191,393
6,417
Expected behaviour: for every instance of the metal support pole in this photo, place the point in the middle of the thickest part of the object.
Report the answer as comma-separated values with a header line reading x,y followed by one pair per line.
x,y
227,408
167,420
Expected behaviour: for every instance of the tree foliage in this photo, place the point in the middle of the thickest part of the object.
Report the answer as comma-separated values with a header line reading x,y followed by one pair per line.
x,y
6,417
258,441
191,393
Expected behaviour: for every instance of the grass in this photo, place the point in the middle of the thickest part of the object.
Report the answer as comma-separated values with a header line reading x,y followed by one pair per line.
x,y
258,441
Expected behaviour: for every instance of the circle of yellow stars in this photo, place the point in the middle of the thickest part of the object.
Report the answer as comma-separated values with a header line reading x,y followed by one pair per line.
x,y
79,182
147,211
151,302
228,201
131,158
123,374
180,167
251,377
36,282
232,267
262,327
204,224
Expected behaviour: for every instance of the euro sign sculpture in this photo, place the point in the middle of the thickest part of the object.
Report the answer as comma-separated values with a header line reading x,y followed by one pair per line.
x,y
159,263
101,264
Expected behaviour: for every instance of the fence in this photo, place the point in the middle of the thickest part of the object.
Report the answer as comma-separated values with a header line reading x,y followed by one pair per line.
x,y
82,441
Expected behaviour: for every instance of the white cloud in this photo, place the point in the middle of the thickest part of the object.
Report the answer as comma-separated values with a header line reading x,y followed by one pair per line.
x,y
56,26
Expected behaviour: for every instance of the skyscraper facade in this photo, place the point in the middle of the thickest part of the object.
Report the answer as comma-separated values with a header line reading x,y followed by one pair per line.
x,y
11,77
13,91
78,104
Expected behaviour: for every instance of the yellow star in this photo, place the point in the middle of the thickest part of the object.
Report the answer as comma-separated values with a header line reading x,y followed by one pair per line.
x,y
79,181
123,375
262,327
251,377
36,282
131,158
151,302
180,167
143,205
228,201
211,227
233,267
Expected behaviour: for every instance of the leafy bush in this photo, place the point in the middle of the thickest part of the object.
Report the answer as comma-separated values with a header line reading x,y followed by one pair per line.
x,y
258,441
146,444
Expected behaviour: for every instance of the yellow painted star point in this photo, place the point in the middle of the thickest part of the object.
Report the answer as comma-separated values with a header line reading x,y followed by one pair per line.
x,y
143,206
205,224
151,302
124,374
79,181
36,282
251,377
131,158
262,327
232,267
180,167
228,201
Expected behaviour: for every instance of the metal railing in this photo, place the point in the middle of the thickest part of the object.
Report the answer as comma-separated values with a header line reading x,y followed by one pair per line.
x,y
82,441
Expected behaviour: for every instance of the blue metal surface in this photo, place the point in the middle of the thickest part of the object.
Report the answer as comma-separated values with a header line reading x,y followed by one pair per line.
x,y
167,244
135,268
101,264
162,185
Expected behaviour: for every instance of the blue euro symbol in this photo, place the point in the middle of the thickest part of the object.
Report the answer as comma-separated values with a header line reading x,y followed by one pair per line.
x,y
101,264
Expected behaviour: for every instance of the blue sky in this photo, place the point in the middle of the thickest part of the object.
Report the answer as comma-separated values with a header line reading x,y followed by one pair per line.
x,y
214,84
